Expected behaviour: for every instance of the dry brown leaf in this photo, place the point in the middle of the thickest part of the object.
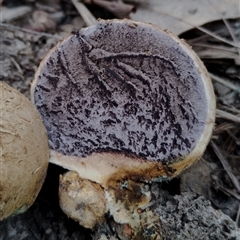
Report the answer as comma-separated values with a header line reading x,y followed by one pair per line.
x,y
181,15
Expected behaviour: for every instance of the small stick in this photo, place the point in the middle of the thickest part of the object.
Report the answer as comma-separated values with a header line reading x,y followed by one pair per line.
x,y
232,34
231,109
236,139
213,46
226,166
227,26
223,127
12,27
87,16
230,192
225,82
16,65
231,43
201,38
228,116
238,215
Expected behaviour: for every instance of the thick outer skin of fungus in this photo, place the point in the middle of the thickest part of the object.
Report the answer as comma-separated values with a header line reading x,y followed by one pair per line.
x,y
24,152
125,96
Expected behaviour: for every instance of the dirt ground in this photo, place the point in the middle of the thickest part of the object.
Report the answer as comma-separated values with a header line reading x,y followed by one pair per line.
x,y
204,202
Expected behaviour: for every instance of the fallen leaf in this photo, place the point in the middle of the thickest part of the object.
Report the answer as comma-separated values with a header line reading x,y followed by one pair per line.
x,y
179,16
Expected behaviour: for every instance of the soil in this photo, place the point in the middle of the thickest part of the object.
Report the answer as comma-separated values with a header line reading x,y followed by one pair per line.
x,y
203,203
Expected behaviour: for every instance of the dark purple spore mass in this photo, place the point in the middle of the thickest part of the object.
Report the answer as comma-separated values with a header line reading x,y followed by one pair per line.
x,y
116,88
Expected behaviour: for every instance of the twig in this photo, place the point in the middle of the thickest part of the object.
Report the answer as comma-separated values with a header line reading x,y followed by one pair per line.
x,y
231,43
226,166
228,27
236,139
12,27
225,82
201,37
231,109
223,127
238,215
230,192
232,34
87,16
228,116
227,49
16,65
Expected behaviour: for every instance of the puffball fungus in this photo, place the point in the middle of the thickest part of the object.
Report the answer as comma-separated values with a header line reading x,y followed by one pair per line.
x,y
124,103
24,152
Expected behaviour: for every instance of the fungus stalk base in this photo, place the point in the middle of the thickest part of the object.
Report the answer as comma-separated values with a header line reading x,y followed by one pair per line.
x,y
87,202
125,200
82,200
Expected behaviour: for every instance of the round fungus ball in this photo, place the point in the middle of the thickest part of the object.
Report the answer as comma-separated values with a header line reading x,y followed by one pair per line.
x,y
124,102
24,152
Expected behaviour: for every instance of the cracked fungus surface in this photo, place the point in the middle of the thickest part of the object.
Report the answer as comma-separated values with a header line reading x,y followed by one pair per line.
x,y
119,88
